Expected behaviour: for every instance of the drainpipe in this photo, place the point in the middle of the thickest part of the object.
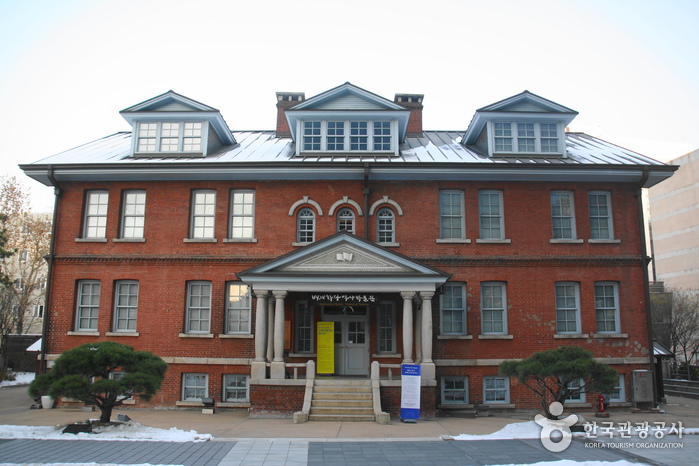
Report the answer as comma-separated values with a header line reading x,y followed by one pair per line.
x,y
646,285
366,191
49,275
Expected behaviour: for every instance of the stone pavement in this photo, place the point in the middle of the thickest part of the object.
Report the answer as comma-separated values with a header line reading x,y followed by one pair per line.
x,y
240,440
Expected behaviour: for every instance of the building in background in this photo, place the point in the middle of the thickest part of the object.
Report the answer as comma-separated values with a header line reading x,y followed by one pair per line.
x,y
232,254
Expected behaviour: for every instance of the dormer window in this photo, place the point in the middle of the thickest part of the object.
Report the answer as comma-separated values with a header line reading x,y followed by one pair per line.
x,y
333,136
523,137
169,137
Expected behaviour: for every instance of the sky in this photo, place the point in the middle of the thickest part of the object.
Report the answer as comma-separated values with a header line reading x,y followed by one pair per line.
x,y
68,67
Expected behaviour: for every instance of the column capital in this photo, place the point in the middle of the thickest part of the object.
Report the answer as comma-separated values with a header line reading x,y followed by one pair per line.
x,y
407,294
426,294
260,293
279,294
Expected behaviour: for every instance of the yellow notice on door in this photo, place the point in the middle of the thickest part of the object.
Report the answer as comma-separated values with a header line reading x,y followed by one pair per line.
x,y
326,347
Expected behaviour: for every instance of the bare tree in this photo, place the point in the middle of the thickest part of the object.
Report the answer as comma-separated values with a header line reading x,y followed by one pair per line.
x,y
685,326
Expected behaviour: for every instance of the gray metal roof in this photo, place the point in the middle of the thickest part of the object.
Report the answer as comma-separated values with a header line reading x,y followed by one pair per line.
x,y
435,151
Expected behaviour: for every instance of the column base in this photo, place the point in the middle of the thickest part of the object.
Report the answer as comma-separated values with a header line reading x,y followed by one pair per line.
x,y
428,371
258,370
277,371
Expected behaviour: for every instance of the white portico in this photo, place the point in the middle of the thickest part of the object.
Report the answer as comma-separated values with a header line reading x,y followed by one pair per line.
x,y
345,268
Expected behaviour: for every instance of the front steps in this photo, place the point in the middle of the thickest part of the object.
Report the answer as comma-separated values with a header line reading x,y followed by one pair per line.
x,y
339,400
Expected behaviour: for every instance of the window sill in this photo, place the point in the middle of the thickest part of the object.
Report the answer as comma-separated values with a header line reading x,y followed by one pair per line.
x,y
233,404
453,241
454,337
129,402
456,406
577,404
90,240
197,404
129,240
562,336
566,241
604,241
200,240
499,405
236,335
610,335
495,337
386,356
302,355
389,245
493,241
240,240
122,334
196,335
300,244
84,333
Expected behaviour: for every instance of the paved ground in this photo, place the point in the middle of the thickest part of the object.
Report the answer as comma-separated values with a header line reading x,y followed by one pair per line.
x,y
241,440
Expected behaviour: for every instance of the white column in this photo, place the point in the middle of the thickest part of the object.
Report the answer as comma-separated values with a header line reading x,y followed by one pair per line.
x,y
418,334
270,329
261,325
428,368
407,326
279,326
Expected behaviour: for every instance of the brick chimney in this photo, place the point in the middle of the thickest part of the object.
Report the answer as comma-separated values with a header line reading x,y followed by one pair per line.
x,y
286,100
413,102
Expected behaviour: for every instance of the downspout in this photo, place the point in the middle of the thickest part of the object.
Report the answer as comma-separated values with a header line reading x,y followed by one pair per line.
x,y
646,284
366,191
49,275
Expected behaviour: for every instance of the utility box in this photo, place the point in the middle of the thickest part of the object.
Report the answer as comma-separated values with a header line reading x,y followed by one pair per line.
x,y
642,386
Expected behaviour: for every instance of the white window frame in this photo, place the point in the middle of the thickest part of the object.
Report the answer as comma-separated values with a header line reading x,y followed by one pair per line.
x,y
346,218
445,391
579,397
562,216
90,289
320,132
96,209
302,218
385,226
496,389
126,312
566,307
200,310
238,388
187,387
606,308
203,214
506,133
303,310
485,212
384,332
620,388
490,307
454,310
238,308
242,214
133,214
594,231
443,215
162,134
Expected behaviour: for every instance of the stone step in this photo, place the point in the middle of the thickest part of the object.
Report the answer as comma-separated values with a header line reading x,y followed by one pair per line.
x,y
343,411
341,389
342,403
341,418
342,382
341,396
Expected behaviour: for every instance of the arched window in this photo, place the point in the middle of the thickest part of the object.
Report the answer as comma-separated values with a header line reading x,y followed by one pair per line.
x,y
306,226
385,226
345,220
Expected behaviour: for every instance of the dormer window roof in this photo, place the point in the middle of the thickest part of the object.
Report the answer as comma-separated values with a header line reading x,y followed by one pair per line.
x,y
348,119
524,124
172,125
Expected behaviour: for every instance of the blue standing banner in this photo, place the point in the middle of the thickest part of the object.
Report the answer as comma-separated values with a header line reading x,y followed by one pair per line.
x,y
410,391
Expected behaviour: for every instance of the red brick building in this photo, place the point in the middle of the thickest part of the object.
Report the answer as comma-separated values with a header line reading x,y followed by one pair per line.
x,y
223,252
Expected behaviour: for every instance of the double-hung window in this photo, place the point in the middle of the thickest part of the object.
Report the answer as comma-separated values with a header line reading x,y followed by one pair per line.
x,y
386,327
304,327
198,307
311,135
195,386
345,220
617,395
306,226
385,226
88,305
242,214
133,214
336,136
347,136
453,309
451,214
359,135
382,135
454,389
125,306
562,215
169,137
491,214
600,215
567,307
526,138
503,137
493,310
496,389
607,307
576,391
95,224
238,308
236,388
203,214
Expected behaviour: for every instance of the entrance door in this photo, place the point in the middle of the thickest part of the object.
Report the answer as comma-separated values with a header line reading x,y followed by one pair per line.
x,y
351,339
